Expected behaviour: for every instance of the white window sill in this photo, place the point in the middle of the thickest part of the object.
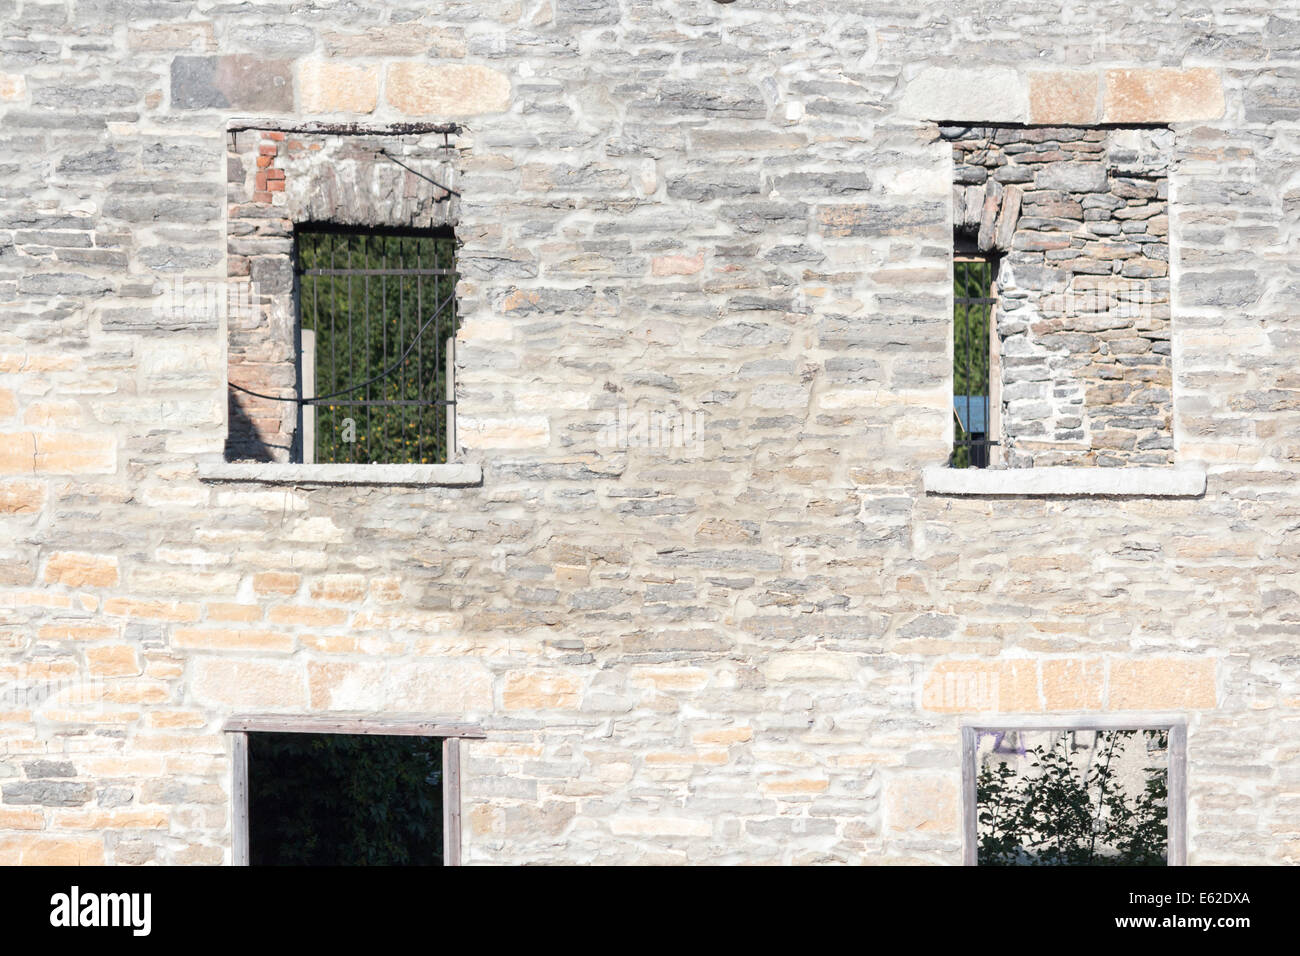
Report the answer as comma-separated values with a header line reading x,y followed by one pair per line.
x,y
1059,481
456,475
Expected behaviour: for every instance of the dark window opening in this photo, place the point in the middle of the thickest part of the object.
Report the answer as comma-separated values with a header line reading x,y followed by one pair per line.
x,y
377,325
345,800
973,361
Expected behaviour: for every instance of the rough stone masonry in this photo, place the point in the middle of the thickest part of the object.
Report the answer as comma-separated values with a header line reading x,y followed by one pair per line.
x,y
758,646
1077,220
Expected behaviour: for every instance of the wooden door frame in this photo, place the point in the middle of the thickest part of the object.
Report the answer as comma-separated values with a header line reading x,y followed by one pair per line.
x,y
1176,800
450,733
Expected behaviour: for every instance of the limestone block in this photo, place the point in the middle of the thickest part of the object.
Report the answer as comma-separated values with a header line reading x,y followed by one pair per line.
x,y
1162,683
926,803
443,89
1164,95
988,93
328,87
1064,97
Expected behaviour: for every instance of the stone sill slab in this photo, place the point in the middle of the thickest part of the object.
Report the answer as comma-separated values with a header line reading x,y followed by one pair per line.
x,y
458,475
1060,481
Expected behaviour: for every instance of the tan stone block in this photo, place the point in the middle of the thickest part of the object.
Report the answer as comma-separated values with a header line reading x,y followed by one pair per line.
x,y
676,679
446,89
386,590
171,719
174,611
1165,95
196,855
1073,684
130,819
77,632
113,660
77,570
794,786
17,453
725,530
276,582
135,692
35,599
352,685
723,735
222,639
236,683
74,454
447,686
572,574
331,643
21,818
1005,685
13,87
51,851
21,497
52,415
686,758
1162,684
8,404
540,690
922,802
33,363
329,87
306,615
1064,97
342,588
220,611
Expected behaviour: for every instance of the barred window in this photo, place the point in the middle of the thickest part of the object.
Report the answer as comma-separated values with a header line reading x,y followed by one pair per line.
x,y
974,360
377,325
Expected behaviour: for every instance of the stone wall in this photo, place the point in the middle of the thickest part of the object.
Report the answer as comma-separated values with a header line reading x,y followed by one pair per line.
x,y
756,645
1078,221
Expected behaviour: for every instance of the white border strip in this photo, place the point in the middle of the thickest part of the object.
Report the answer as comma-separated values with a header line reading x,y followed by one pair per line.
x,y
1183,482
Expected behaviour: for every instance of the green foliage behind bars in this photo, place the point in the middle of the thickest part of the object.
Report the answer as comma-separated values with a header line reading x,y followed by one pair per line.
x,y
1065,815
971,280
363,324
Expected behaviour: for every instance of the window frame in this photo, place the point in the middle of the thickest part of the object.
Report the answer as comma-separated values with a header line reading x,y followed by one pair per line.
x,y
1176,851
450,733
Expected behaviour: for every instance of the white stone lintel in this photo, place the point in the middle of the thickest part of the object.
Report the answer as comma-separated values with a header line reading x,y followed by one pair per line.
x,y
455,475
1057,480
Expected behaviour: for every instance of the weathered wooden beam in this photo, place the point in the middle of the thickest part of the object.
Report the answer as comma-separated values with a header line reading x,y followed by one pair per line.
x,y
1005,232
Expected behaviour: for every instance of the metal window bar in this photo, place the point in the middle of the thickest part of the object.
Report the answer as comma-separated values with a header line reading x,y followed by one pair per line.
x,y
973,303
379,389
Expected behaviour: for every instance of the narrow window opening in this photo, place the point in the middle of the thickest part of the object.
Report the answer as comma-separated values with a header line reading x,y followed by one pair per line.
x,y
975,371
376,334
